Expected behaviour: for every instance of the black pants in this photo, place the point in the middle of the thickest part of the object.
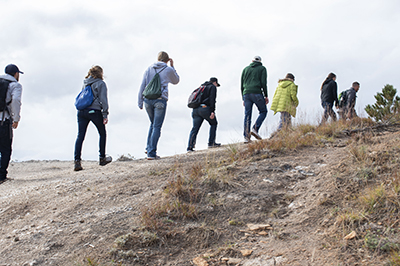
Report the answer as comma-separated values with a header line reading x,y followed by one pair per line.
x,y
5,147
84,118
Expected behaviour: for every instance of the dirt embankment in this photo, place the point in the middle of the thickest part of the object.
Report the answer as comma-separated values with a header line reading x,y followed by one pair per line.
x,y
51,215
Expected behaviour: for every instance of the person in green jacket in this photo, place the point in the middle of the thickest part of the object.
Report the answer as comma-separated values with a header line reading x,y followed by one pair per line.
x,y
285,100
254,91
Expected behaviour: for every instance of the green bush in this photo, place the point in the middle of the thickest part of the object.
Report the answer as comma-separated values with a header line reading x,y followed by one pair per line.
x,y
387,104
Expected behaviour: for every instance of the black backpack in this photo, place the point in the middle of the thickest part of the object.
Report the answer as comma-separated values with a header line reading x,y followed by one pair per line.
x,y
195,98
342,99
3,93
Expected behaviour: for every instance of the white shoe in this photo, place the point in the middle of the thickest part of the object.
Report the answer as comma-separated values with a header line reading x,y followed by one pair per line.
x,y
255,133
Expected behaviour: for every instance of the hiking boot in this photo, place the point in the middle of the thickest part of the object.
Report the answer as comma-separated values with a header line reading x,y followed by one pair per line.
x,y
105,160
5,180
190,150
154,158
254,133
214,145
78,166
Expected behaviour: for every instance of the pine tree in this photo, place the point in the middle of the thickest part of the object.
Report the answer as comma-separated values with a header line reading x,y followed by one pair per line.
x,y
387,104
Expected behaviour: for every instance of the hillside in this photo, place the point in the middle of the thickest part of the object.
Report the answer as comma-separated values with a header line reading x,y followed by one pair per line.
x,y
240,204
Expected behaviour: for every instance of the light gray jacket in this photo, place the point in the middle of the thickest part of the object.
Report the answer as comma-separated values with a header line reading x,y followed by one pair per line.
x,y
99,88
14,94
168,75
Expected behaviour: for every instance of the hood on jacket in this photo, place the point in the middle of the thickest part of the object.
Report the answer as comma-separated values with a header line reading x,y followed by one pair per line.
x,y
159,65
328,81
285,82
90,80
8,77
255,64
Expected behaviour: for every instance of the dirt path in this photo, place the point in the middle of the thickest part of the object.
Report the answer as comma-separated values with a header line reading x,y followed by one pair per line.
x,y
51,215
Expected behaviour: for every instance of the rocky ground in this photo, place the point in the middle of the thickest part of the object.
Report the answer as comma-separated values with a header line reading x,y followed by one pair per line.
x,y
270,208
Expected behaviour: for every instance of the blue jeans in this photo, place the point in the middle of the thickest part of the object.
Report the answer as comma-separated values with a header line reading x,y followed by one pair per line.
x,y
156,111
259,101
5,147
199,115
328,111
285,121
84,117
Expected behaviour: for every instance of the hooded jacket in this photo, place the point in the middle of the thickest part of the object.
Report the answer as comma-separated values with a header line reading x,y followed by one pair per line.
x,y
168,75
254,79
14,94
285,97
329,92
99,88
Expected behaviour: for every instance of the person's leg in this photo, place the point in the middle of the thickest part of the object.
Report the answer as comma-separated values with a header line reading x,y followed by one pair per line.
x,y
326,112
97,118
205,113
148,104
332,113
83,122
262,109
197,122
282,120
248,108
160,107
5,148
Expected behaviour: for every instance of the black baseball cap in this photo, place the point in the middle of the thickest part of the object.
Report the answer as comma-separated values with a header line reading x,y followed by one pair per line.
x,y
213,79
11,69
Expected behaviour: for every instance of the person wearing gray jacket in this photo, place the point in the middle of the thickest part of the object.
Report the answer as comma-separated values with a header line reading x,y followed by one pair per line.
x,y
10,115
96,113
156,108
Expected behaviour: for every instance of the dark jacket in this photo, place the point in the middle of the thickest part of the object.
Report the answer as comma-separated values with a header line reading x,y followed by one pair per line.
x,y
209,95
254,79
351,98
329,92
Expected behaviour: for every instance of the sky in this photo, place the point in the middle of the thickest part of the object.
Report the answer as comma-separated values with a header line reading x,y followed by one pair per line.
x,y
56,42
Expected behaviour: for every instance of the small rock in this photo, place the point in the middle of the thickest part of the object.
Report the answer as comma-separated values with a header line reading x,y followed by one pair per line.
x,y
256,227
200,261
263,233
246,252
234,261
16,239
350,236
224,259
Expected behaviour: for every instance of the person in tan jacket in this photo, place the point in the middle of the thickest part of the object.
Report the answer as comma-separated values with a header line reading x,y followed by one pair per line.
x,y
285,100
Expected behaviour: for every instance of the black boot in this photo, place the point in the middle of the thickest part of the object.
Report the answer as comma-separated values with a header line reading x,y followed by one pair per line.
x,y
78,166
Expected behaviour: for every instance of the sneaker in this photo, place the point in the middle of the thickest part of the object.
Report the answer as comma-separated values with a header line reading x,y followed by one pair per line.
x,y
154,158
247,141
215,145
105,160
190,150
78,166
254,132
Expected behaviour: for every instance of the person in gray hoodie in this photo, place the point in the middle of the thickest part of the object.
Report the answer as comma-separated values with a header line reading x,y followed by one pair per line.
x,y
156,108
97,113
10,115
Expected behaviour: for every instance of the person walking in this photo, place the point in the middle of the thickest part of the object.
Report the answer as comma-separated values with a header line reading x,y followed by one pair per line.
x,y
254,91
329,97
349,110
206,111
156,108
97,113
10,103
285,100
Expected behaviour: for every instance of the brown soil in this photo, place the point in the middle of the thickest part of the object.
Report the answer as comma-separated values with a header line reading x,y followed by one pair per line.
x,y
51,215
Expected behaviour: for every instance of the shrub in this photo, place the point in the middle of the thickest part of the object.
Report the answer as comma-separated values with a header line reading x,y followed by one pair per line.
x,y
387,104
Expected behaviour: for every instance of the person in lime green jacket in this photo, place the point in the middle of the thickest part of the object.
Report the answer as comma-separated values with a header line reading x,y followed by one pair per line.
x,y
285,100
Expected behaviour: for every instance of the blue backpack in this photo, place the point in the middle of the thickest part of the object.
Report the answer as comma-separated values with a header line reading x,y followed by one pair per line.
x,y
85,98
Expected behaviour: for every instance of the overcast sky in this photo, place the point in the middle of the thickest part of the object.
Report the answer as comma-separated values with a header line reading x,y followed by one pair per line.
x,y
56,42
